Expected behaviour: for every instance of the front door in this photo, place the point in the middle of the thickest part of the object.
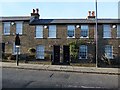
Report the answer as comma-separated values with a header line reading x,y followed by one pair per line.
x,y
56,54
66,54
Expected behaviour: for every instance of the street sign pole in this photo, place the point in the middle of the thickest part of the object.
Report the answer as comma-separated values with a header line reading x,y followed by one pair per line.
x,y
96,37
17,60
17,44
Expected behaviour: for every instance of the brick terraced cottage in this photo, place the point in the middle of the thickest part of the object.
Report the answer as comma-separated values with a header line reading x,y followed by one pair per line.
x,y
62,40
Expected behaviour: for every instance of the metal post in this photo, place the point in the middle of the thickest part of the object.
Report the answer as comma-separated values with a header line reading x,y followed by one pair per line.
x,y
17,62
96,36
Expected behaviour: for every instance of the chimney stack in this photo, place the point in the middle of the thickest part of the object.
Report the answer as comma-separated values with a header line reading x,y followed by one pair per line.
x,y
35,13
91,15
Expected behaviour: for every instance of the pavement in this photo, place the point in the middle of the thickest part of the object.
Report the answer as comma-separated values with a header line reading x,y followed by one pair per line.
x,y
64,68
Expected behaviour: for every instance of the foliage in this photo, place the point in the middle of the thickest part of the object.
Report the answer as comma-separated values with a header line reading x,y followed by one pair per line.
x,y
48,57
74,48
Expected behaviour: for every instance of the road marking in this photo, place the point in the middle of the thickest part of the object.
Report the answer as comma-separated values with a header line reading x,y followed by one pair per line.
x,y
51,75
89,87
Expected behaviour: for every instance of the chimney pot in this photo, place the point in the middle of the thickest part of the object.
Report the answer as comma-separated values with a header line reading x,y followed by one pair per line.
x,y
89,13
37,10
33,10
93,13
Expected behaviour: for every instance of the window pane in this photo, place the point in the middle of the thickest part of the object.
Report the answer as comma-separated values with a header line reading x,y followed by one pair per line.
x,y
108,51
39,31
106,31
118,31
6,28
40,52
52,31
84,30
19,28
83,52
71,31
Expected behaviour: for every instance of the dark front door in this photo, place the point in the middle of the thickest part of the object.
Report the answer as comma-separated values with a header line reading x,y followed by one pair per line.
x,y
66,54
3,47
56,54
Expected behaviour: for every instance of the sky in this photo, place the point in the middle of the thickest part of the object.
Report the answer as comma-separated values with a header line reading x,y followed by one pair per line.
x,y
61,9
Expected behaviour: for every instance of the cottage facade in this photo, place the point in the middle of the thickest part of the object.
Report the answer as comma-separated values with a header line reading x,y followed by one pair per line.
x,y
44,34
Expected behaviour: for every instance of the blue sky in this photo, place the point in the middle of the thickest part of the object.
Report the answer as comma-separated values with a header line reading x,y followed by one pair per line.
x,y
59,9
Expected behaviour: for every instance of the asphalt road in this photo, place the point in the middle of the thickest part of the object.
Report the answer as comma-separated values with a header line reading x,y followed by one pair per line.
x,y
20,78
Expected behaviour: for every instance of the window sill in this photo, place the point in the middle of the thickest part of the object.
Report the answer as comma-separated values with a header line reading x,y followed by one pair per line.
x,y
84,37
52,37
6,34
38,37
107,37
83,58
70,37
117,37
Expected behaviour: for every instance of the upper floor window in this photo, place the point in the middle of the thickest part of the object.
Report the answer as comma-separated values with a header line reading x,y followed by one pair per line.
x,y
106,31
118,31
109,51
84,31
83,52
71,31
39,32
19,26
52,31
6,28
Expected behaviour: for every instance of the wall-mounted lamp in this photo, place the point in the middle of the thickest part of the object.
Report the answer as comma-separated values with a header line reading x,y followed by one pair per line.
x,y
119,46
114,26
45,26
77,26
12,23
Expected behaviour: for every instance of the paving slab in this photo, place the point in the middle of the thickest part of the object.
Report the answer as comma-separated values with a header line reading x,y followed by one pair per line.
x,y
62,68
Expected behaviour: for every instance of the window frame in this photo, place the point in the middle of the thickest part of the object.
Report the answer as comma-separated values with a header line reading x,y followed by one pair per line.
x,y
51,31
118,31
21,28
4,30
73,31
84,31
86,51
111,52
40,53
39,31
104,30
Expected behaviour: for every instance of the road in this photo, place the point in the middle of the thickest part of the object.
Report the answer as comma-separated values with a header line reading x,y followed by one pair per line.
x,y
21,78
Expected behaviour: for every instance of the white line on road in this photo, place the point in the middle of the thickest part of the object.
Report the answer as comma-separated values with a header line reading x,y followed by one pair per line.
x,y
89,87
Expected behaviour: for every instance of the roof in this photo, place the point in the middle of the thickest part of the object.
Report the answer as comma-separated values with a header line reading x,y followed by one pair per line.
x,y
72,21
15,18
58,21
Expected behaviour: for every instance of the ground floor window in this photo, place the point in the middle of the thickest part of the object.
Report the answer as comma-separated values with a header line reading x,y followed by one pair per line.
x,y
82,52
40,52
15,49
109,51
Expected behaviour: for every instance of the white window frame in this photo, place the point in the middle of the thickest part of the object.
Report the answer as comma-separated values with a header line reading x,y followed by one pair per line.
x,y
118,31
6,28
51,31
20,28
84,31
40,54
106,51
68,26
15,49
39,31
86,52
107,31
